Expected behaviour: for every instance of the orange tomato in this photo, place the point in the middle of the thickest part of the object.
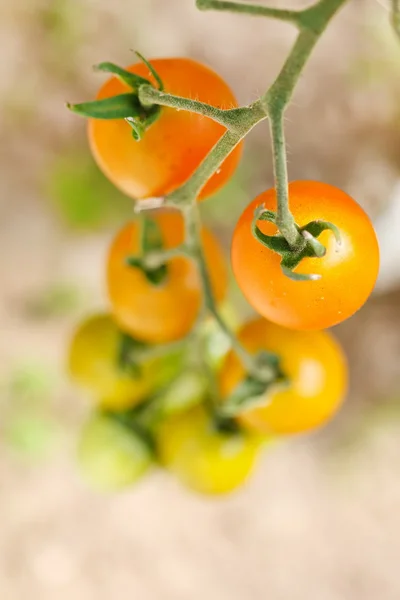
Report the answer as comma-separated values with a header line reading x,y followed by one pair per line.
x,y
165,312
174,146
317,371
348,271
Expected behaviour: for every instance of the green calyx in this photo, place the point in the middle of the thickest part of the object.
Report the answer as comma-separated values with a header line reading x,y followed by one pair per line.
x,y
308,245
251,392
128,359
124,106
151,244
129,420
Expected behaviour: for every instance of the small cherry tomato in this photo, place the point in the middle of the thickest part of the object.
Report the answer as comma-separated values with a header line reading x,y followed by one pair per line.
x,y
164,312
93,364
204,459
315,366
110,455
348,270
174,146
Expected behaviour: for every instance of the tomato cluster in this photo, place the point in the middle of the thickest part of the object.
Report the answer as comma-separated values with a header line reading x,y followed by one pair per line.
x,y
131,357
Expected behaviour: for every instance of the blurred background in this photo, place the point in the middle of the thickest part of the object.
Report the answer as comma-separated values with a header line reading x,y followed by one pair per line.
x,y
320,519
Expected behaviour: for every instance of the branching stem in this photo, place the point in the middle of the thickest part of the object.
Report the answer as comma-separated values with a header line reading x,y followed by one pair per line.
x,y
291,16
311,22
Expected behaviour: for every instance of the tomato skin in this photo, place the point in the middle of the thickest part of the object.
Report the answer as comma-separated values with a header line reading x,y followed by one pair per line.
x,y
92,364
165,312
315,365
348,271
110,456
203,459
174,146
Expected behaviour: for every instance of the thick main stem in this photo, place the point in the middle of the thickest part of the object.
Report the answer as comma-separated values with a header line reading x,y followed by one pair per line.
x,y
190,190
311,22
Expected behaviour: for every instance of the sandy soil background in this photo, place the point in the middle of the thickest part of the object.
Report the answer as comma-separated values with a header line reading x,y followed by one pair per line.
x,y
320,520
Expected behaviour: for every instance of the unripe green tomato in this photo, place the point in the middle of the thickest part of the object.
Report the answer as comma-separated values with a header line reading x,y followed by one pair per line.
x,y
110,455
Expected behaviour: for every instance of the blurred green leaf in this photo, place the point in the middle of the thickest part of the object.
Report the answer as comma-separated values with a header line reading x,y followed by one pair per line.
x,y
31,435
61,21
58,300
30,381
232,196
83,197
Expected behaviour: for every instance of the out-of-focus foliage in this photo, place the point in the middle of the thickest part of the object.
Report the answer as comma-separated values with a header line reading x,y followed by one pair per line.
x,y
30,428
57,300
60,20
234,194
82,196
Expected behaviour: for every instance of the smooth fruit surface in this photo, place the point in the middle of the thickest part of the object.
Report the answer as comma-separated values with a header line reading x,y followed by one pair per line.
x,y
348,270
167,311
317,371
204,459
110,456
174,146
93,364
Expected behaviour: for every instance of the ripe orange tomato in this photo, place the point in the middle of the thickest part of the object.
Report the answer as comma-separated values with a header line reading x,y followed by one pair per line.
x,y
93,364
165,312
202,458
317,371
174,146
348,271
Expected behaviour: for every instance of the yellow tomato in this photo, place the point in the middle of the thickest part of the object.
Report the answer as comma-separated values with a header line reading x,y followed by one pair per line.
x,y
93,364
202,458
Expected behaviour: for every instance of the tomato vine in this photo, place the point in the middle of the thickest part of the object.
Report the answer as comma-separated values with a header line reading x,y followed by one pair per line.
x,y
141,108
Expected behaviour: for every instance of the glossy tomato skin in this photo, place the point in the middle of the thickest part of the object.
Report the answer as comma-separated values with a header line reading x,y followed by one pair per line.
x,y
111,456
165,312
317,371
93,364
348,271
174,146
202,458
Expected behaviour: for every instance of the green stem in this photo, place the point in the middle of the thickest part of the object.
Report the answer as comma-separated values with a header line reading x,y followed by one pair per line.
x,y
396,16
273,103
159,350
279,94
239,122
233,119
314,20
193,240
190,190
284,218
155,259
291,16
